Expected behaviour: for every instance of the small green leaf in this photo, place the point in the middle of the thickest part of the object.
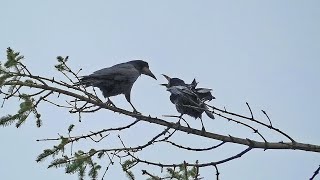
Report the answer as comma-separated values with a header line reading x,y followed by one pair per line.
x,y
72,168
8,120
58,163
92,151
82,171
12,58
38,121
45,154
100,154
193,172
22,119
93,173
70,128
60,67
130,175
60,59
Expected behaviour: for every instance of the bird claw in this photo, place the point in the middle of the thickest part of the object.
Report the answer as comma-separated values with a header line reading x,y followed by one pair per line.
x,y
203,129
110,103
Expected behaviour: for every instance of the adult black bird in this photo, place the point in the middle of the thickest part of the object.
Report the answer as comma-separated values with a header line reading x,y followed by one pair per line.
x,y
117,79
188,99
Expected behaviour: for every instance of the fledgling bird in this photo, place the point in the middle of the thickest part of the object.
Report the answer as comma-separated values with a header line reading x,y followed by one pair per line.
x,y
188,99
117,79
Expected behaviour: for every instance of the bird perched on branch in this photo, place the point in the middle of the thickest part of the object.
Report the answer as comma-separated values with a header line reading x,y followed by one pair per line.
x,y
117,79
188,99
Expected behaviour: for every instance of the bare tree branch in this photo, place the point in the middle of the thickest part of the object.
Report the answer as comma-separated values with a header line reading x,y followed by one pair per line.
x,y
32,90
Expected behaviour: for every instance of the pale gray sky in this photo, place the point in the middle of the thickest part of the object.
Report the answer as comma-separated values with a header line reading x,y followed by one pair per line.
x,y
263,52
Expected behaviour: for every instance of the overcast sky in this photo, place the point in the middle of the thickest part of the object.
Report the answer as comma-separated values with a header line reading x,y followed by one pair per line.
x,y
262,52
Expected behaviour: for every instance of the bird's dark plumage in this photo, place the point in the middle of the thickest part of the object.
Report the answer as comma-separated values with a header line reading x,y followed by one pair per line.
x,y
188,99
117,79
203,93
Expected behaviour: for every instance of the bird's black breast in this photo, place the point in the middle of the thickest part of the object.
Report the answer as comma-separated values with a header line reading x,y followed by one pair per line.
x,y
184,103
115,87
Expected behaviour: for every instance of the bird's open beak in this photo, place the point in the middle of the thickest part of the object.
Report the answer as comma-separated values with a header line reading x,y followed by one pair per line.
x,y
167,77
147,72
165,85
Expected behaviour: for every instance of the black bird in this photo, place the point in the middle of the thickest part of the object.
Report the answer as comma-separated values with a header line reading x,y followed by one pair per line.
x,y
188,99
117,79
204,94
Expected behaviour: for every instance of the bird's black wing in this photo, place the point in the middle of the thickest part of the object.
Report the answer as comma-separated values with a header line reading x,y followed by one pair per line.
x,y
120,72
184,95
204,94
117,72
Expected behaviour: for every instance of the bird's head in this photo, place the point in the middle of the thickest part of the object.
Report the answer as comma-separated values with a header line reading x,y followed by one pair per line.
x,y
143,68
173,82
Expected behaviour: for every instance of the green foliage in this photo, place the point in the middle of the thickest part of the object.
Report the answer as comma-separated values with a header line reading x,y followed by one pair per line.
x,y
80,162
183,173
130,175
154,178
174,174
61,162
13,73
193,172
72,168
12,58
53,152
26,107
70,128
77,164
93,173
29,81
126,166
2,69
8,119
101,154
82,171
46,153
61,66
63,143
38,121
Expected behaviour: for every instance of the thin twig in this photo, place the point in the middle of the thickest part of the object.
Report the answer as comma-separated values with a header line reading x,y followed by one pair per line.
x,y
315,173
267,117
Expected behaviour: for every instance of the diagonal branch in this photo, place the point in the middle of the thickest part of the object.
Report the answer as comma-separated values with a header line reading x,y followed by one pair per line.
x,y
247,142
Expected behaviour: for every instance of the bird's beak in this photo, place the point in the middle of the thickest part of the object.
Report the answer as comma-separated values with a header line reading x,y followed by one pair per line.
x,y
165,85
147,72
167,77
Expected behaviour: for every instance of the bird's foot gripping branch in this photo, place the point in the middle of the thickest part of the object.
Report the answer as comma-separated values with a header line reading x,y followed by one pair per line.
x,y
18,83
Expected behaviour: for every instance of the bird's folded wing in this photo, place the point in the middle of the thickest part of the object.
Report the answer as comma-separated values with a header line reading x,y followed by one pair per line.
x,y
185,95
203,90
118,72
